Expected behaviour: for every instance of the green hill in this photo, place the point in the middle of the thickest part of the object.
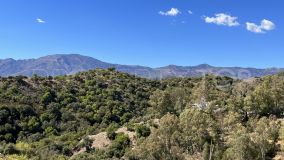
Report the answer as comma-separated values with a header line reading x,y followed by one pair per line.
x,y
206,117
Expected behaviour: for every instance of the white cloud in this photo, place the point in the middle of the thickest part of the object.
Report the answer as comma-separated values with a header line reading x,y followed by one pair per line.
x,y
40,20
265,25
253,28
171,12
222,19
190,12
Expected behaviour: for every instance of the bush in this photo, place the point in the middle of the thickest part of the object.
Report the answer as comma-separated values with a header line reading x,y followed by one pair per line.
x,y
111,131
10,149
142,131
119,145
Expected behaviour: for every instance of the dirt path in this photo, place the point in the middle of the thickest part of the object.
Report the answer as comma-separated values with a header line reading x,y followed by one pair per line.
x,y
101,141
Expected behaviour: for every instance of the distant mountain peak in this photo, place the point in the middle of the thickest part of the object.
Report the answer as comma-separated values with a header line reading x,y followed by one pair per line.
x,y
204,65
56,56
8,59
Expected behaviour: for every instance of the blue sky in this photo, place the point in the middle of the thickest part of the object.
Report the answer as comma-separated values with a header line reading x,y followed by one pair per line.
x,y
147,32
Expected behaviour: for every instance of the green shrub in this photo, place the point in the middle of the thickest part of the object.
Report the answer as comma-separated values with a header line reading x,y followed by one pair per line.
x,y
111,131
142,131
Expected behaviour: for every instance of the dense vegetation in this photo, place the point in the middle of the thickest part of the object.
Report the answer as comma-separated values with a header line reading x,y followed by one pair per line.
x,y
206,118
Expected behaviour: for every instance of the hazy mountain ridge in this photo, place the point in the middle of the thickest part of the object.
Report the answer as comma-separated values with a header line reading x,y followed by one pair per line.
x,y
61,64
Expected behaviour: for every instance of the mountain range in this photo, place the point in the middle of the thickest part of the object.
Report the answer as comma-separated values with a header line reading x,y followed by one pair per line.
x,y
66,64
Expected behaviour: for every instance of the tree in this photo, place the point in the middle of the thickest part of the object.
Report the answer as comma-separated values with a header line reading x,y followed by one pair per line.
x,y
163,143
171,100
241,148
255,142
161,102
206,90
47,98
34,125
264,135
237,101
198,127
268,97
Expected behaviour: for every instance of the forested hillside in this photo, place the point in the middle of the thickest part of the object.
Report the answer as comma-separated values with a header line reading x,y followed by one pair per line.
x,y
105,114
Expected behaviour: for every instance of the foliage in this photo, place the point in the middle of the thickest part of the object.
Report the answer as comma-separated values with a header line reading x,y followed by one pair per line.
x,y
119,145
208,117
142,131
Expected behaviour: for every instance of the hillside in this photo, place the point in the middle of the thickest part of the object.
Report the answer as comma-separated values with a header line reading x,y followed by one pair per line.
x,y
64,109
54,65
105,114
